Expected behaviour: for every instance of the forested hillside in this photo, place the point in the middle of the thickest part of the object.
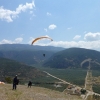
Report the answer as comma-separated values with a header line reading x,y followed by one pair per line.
x,y
9,68
28,54
73,58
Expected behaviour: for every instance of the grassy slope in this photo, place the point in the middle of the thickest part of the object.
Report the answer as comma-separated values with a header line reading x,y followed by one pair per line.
x,y
74,76
33,93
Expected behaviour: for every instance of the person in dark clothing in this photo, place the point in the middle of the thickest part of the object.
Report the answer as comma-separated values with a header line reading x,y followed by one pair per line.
x,y
15,82
29,84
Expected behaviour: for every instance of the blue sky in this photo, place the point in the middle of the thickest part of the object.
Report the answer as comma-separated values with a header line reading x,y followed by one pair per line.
x,y
70,23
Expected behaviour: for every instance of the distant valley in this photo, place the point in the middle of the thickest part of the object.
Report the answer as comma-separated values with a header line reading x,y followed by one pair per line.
x,y
20,59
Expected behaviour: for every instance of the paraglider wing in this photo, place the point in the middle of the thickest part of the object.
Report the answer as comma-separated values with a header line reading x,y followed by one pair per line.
x,y
41,38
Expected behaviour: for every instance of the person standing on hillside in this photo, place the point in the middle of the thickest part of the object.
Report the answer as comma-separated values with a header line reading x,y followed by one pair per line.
x,y
15,82
29,84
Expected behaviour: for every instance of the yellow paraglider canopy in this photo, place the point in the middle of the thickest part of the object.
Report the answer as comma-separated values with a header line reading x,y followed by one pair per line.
x,y
42,37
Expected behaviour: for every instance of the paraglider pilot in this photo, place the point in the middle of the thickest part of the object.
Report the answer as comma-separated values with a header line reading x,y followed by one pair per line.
x,y
44,55
29,84
15,82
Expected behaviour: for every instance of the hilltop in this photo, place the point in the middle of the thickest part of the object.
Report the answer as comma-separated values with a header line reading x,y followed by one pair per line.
x,y
74,58
21,47
33,93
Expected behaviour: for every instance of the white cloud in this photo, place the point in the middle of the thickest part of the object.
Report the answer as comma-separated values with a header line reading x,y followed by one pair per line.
x,y
9,15
95,45
52,26
4,41
77,37
30,40
92,36
45,29
31,12
48,14
17,40
69,28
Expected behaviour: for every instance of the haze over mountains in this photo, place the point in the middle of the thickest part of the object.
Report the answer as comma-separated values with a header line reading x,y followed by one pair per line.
x,y
55,57
27,54
20,59
19,47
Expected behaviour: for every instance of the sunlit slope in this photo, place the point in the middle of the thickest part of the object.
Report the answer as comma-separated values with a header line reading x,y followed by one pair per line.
x,y
73,57
33,93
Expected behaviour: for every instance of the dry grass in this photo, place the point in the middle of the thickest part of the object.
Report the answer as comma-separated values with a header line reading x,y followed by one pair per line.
x,y
33,93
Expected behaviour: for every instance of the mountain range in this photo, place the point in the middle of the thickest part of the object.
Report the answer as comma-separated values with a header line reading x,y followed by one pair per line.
x,y
20,59
27,54
74,58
